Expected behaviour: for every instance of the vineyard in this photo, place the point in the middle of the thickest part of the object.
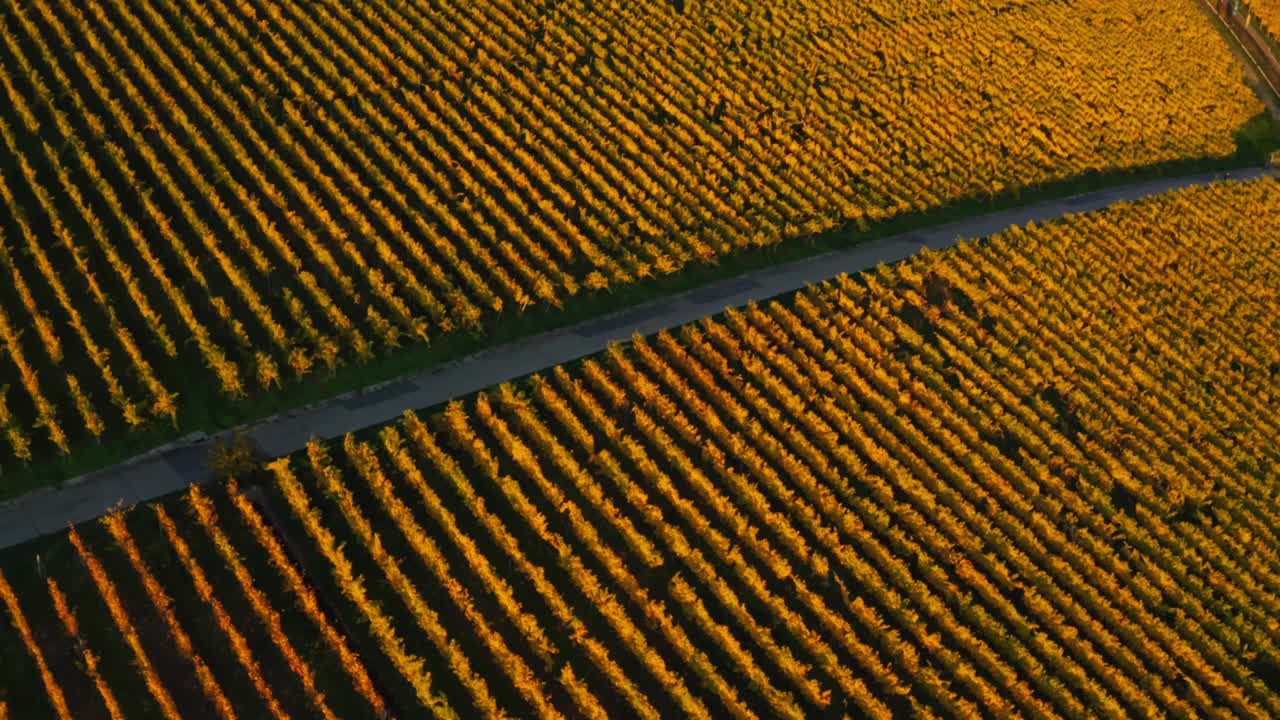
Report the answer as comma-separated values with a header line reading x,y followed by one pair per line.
x,y
202,202
1030,475
1268,13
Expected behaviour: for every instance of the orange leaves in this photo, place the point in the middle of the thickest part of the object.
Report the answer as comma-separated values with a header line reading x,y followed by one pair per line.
x,y
107,590
268,372
72,627
19,622
495,528
163,604
805,506
19,443
368,467
412,668
267,615
204,589
321,237
863,496
45,413
303,594
495,584
92,422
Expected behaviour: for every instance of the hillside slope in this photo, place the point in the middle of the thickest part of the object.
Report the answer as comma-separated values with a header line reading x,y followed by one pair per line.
x,y
203,202
1034,474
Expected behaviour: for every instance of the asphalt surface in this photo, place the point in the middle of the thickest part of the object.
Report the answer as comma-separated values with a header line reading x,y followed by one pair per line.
x,y
175,467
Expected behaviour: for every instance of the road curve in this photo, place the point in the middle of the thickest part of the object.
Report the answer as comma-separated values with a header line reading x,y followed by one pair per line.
x,y
173,468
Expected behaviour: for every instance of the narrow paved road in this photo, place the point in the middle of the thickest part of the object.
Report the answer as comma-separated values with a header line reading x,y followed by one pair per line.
x,y
48,511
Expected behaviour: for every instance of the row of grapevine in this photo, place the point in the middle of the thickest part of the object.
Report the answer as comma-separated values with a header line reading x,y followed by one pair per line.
x,y
19,623
72,626
253,193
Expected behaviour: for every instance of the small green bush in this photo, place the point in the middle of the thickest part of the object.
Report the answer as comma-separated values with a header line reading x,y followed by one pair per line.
x,y
234,456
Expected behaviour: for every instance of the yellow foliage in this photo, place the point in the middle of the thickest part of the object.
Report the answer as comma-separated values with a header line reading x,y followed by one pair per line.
x,y
323,238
